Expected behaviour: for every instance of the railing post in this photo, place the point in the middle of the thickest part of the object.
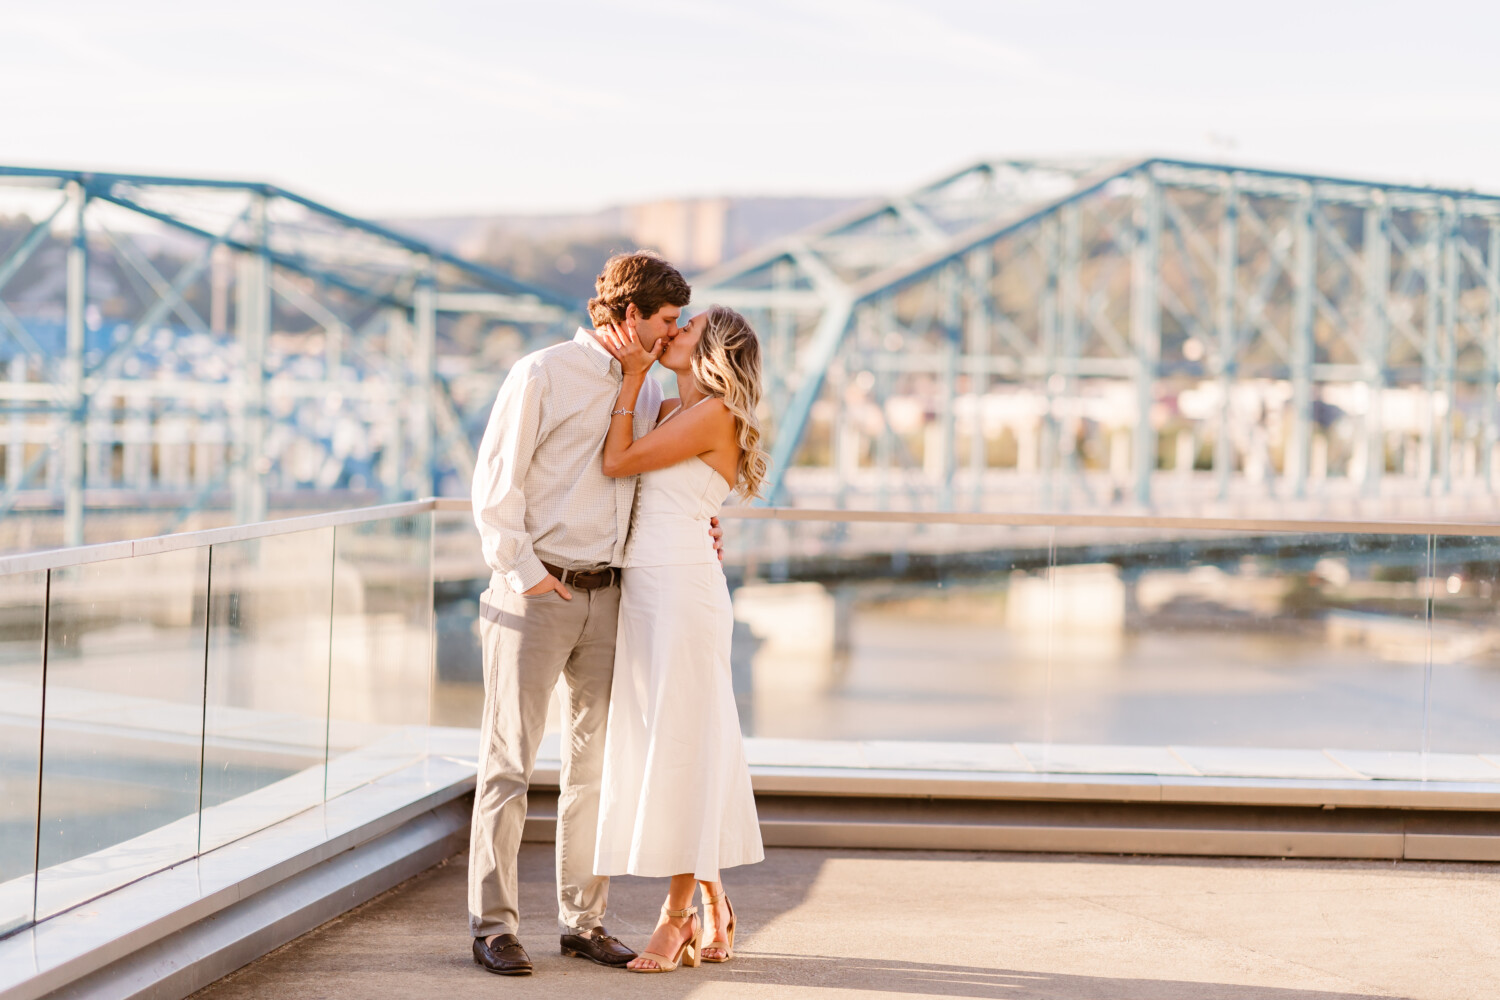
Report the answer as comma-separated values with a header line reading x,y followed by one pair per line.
x,y
1377,284
1048,323
841,456
979,348
1431,323
77,401
1145,328
393,458
952,306
781,353
424,348
15,445
1226,357
1491,383
1449,342
883,317
1302,345
1070,303
253,325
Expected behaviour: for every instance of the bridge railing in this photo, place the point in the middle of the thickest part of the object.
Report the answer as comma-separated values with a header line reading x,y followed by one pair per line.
x,y
165,697
1056,643
1134,645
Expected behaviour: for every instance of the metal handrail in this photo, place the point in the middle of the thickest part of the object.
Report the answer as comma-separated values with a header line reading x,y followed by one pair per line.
x,y
30,562
1047,520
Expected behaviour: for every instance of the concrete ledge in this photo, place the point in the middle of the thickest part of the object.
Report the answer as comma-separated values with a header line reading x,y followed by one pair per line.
x,y
210,949
320,861
1139,788
1082,840
1081,828
1124,828
935,823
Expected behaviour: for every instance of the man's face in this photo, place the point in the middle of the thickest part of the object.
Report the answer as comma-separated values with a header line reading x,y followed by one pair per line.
x,y
661,325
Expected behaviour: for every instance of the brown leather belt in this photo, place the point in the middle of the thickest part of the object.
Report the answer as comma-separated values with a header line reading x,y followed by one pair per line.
x,y
591,579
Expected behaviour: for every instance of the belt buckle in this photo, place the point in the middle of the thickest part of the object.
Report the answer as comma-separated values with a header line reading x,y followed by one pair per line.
x,y
598,578
604,577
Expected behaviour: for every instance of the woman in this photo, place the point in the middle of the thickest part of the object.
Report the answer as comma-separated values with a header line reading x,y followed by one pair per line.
x,y
676,798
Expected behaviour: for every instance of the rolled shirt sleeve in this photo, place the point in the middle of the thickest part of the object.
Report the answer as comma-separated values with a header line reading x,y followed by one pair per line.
x,y
499,497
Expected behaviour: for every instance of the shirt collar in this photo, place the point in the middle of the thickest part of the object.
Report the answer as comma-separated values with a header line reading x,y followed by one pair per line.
x,y
601,359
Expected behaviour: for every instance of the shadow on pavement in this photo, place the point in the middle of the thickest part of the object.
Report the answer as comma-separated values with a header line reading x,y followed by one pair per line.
x,y
921,979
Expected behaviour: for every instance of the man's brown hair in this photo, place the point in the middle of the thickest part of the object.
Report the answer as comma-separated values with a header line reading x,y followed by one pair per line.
x,y
641,277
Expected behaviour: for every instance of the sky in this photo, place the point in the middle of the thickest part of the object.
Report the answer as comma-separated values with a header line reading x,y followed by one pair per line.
x,y
399,108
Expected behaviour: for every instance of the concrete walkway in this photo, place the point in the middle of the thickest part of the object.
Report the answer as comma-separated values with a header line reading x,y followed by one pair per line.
x,y
835,924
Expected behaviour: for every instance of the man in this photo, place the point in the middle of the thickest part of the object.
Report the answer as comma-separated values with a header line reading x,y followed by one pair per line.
x,y
553,528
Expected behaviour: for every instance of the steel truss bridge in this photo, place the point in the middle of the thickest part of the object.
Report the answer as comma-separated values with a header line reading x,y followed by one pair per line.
x,y
1106,332
1034,333
170,342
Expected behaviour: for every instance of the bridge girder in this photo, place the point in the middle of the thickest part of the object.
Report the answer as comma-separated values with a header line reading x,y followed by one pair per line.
x,y
1155,274
201,304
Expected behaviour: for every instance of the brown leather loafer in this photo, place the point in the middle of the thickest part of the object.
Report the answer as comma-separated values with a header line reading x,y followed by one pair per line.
x,y
505,957
598,946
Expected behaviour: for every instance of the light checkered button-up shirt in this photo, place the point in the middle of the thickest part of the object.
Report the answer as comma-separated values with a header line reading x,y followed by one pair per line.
x,y
540,492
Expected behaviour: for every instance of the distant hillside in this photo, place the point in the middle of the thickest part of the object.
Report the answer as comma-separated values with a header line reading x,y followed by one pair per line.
x,y
564,252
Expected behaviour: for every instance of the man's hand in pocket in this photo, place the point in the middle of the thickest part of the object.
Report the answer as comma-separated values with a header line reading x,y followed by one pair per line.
x,y
550,583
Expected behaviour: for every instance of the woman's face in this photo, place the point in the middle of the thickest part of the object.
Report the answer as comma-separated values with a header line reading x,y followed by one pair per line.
x,y
679,353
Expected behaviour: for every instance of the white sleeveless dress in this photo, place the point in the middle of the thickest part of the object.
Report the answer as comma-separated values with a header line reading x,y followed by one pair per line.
x,y
676,792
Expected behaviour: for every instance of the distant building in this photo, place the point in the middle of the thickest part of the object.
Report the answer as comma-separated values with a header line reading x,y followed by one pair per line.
x,y
696,233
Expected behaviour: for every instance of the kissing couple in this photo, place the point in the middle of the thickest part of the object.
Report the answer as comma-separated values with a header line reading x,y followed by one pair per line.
x,y
624,597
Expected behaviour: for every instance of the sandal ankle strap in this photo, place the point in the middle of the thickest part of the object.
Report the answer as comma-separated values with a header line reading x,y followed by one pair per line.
x,y
708,898
691,911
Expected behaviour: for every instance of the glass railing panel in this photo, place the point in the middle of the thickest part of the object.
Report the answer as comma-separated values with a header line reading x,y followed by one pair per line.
x,y
1462,717
1237,653
23,610
459,577
266,719
381,667
123,723
913,644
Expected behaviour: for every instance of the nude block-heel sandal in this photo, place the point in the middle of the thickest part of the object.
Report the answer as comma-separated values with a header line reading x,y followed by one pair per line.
x,y
688,953
724,941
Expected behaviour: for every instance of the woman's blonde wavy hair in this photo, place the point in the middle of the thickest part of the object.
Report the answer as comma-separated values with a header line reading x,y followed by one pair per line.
x,y
726,365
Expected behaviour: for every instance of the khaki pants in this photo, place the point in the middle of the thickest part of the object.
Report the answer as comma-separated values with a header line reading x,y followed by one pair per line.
x,y
528,642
